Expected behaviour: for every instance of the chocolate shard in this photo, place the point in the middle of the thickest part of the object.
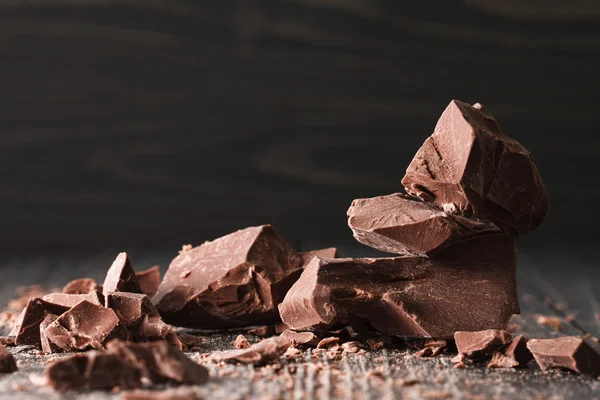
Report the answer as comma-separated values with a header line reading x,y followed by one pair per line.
x,y
516,354
92,370
48,346
569,352
470,166
307,256
481,344
236,280
153,328
300,338
399,224
70,300
259,353
469,286
131,308
27,328
159,362
7,361
432,348
85,326
121,277
82,286
149,280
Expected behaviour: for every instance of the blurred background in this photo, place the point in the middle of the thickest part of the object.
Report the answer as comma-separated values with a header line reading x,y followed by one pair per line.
x,y
137,125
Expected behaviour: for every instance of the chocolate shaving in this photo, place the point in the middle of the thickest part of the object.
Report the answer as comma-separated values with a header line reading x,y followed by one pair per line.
x,y
259,353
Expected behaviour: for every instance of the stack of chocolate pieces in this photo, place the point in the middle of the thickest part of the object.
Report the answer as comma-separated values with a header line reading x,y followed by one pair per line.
x,y
470,190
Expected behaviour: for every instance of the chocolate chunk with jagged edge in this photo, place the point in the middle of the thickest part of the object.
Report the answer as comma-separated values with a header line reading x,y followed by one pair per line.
x,y
70,300
121,277
27,328
569,352
7,361
159,362
85,326
131,307
48,346
92,370
399,224
153,328
300,338
234,281
82,286
480,345
149,280
432,348
307,256
259,353
469,165
515,354
191,342
469,286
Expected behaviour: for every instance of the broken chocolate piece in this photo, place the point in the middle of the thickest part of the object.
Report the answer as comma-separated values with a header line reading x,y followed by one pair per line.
x,y
399,224
159,362
85,326
82,286
514,355
48,346
469,286
27,327
300,338
241,342
191,342
153,328
259,353
121,277
233,281
570,352
70,300
330,252
432,348
262,331
92,370
468,166
24,294
481,344
149,280
131,307
328,342
7,361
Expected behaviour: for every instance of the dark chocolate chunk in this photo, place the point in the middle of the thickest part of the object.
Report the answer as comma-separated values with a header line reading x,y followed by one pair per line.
x,y
92,370
300,338
7,361
131,307
432,348
570,352
516,354
233,281
82,286
48,346
398,224
153,328
159,362
240,342
121,277
468,166
327,342
481,344
469,286
149,280
259,353
85,326
27,327
70,300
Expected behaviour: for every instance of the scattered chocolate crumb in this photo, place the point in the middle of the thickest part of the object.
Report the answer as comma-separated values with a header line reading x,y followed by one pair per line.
x,y
458,358
292,353
351,347
185,247
81,286
259,353
432,348
436,394
375,344
328,342
262,331
460,365
300,338
550,321
240,342
409,382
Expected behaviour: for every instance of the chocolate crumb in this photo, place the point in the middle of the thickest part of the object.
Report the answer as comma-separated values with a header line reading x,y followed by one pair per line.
x,y
240,342
7,361
262,331
375,344
185,247
328,342
550,321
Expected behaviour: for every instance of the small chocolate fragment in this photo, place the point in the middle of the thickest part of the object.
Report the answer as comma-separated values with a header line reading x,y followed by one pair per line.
x,y
300,338
240,342
153,328
168,394
27,327
550,321
398,224
92,370
469,286
262,331
131,307
48,346
191,342
514,355
159,362
70,300
121,277
85,326
82,286
481,344
149,280
432,348
468,166
330,252
328,342
259,353
7,361
570,352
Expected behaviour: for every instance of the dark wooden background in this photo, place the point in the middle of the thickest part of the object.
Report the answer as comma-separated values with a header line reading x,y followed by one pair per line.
x,y
148,124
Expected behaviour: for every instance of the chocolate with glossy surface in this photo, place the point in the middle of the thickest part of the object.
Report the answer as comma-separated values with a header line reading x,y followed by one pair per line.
x,y
569,352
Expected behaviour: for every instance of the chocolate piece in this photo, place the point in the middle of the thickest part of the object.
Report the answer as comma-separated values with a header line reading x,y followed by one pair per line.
x,y
550,321
570,352
241,342
300,338
7,361
131,307
468,166
70,300
159,362
82,286
85,326
149,280
469,286
48,346
27,327
330,252
121,277
514,355
481,344
191,342
92,370
262,331
398,224
259,353
432,348
153,328
233,281
328,342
